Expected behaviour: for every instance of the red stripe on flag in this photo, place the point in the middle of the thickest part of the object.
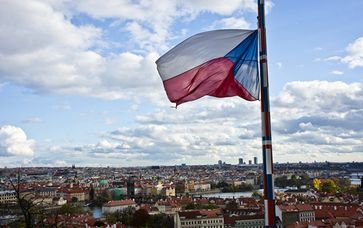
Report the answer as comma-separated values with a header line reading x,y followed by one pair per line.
x,y
213,78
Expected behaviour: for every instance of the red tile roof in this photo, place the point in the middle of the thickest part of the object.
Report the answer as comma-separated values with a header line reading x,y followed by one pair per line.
x,y
115,203
201,214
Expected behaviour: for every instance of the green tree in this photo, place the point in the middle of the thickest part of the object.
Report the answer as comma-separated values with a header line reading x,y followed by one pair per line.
x,y
329,186
212,206
140,218
256,195
160,220
99,224
74,199
111,218
102,198
127,215
180,188
343,184
70,209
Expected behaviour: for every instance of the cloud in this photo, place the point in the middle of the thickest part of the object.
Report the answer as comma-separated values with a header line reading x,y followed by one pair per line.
x,y
310,120
355,54
231,23
333,58
108,121
62,107
33,120
337,72
47,53
13,141
328,59
43,49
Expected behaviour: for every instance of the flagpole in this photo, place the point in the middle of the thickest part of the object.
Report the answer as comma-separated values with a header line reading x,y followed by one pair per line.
x,y
268,179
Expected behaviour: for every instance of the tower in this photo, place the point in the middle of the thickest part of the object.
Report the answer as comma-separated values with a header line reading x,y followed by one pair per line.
x,y
131,187
240,161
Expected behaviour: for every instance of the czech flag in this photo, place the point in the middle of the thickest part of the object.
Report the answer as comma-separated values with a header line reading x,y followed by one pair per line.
x,y
220,63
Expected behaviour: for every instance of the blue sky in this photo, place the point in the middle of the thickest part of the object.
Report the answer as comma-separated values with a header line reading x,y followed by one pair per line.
x,y
78,84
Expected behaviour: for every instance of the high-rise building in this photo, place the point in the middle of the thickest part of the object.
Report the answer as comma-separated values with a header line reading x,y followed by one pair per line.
x,y
255,160
240,161
250,162
131,187
220,164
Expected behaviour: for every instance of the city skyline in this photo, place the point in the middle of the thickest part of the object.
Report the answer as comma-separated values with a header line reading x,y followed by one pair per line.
x,y
78,84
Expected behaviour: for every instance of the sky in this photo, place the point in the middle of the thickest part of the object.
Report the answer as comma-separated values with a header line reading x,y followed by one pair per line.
x,y
79,85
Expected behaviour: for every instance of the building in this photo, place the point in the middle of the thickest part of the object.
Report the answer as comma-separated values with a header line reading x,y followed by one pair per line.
x,y
250,162
59,201
47,192
220,163
7,197
118,205
255,160
244,221
306,212
202,186
70,193
168,190
240,161
335,210
200,219
131,187
290,214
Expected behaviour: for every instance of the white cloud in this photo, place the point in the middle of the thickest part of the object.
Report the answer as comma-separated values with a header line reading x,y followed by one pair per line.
x,y
309,119
13,141
60,163
62,107
333,58
337,72
231,23
329,59
47,53
33,120
355,54
43,50
108,121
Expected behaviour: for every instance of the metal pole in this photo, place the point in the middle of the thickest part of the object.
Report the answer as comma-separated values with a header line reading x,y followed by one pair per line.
x,y
268,191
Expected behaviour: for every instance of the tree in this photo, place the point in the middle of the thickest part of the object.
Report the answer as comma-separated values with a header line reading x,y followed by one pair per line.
x,y
74,199
256,195
140,218
99,224
70,209
329,186
102,198
317,184
180,188
343,184
160,220
111,218
127,216
30,210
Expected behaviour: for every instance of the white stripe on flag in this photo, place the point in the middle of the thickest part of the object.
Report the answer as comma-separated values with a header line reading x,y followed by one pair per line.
x,y
199,49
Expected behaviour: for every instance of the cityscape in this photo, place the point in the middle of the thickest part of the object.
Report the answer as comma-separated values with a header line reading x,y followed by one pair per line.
x,y
181,114
220,195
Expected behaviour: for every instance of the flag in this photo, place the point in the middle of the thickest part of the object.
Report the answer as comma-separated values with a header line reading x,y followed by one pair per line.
x,y
219,63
